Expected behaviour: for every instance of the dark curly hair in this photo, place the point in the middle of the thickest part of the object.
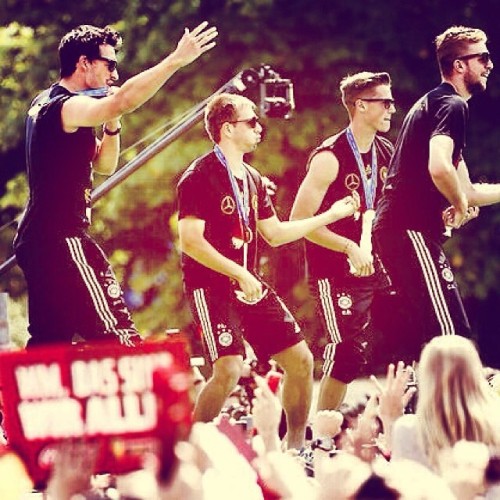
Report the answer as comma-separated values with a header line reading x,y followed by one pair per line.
x,y
84,40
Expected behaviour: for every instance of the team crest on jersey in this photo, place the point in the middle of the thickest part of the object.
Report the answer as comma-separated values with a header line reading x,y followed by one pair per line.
x,y
344,302
114,290
227,205
447,274
352,182
224,334
383,173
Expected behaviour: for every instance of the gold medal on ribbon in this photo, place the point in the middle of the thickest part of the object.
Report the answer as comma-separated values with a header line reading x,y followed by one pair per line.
x,y
365,242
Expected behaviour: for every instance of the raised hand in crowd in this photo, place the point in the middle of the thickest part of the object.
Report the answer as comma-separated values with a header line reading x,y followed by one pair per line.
x,y
266,415
361,439
393,397
72,470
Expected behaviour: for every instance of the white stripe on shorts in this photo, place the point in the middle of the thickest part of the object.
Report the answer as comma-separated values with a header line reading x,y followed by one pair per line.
x,y
328,356
326,300
92,283
431,276
206,325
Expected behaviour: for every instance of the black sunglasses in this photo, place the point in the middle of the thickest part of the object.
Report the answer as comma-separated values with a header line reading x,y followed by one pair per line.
x,y
386,102
483,57
112,64
251,122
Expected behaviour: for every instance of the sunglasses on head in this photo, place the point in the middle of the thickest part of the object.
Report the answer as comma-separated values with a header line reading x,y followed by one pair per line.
x,y
385,101
483,57
251,122
112,64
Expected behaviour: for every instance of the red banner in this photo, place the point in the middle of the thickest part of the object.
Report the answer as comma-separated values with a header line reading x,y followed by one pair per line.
x,y
128,400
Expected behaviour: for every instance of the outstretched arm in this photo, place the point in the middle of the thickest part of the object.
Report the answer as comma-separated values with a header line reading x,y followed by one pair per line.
x,y
84,111
277,232
478,194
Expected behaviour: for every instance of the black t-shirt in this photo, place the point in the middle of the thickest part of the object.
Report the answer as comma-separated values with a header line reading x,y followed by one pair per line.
x,y
321,261
205,192
59,171
410,199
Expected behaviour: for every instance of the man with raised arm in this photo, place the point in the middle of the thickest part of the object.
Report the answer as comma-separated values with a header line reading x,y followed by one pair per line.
x,y
72,290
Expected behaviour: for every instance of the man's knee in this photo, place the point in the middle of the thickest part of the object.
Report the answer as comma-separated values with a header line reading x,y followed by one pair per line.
x,y
228,370
296,360
350,361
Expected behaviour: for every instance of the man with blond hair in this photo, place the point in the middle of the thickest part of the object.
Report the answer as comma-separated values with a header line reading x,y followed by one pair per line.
x,y
223,204
428,192
343,270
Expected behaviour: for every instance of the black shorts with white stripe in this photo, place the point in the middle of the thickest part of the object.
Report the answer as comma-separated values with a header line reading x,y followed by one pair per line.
x,y
422,277
224,322
73,292
345,314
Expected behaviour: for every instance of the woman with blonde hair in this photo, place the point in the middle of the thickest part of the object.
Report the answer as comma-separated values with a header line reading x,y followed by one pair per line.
x,y
455,403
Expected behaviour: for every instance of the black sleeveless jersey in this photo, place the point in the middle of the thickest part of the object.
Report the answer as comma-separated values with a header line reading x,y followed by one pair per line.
x,y
410,199
59,171
205,192
321,261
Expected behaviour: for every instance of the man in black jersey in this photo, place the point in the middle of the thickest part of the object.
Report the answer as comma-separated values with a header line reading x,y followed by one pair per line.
x,y
72,290
223,203
428,193
343,271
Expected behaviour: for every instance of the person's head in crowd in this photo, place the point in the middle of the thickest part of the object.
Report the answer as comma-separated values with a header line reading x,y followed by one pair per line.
x,y
376,487
455,401
350,411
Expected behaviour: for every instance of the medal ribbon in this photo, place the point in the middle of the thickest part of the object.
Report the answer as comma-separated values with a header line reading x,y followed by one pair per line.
x,y
369,185
243,205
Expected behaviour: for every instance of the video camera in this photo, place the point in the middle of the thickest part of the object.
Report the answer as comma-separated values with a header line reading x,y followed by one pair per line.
x,y
276,93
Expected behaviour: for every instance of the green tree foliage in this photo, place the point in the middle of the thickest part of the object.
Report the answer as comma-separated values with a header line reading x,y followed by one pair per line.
x,y
313,43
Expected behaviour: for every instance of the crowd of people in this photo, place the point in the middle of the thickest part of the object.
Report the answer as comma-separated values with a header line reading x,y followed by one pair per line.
x,y
374,216
447,449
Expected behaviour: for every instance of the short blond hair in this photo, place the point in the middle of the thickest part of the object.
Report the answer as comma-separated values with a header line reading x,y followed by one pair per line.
x,y
352,87
453,43
221,109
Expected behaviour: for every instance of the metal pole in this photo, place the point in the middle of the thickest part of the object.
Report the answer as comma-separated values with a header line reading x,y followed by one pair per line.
x,y
4,323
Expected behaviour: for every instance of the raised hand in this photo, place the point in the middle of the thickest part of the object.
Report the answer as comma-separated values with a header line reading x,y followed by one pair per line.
x,y
327,423
194,43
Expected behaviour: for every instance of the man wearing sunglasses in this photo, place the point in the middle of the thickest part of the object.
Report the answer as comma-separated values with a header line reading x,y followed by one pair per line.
x,y
343,271
72,290
428,193
223,204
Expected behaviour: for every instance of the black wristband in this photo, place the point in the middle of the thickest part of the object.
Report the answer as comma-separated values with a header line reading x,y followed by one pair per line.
x,y
323,443
112,132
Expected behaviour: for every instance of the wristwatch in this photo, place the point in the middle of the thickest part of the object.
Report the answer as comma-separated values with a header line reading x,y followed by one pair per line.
x,y
323,443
